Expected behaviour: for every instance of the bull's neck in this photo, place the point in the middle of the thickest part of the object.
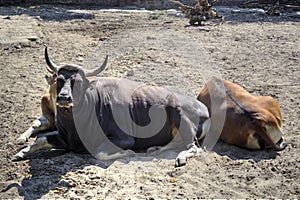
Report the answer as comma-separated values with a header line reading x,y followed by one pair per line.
x,y
63,112
85,106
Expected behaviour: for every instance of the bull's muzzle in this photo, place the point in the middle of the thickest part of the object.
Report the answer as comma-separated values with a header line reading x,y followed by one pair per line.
x,y
277,146
64,100
281,144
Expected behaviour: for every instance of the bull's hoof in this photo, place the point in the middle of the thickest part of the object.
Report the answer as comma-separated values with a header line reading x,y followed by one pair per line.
x,y
180,162
21,140
21,155
17,157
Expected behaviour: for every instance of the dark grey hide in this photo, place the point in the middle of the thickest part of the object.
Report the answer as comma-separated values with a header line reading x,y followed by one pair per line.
x,y
107,100
105,116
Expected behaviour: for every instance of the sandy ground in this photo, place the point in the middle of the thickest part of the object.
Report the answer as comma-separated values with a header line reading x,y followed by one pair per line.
x,y
259,52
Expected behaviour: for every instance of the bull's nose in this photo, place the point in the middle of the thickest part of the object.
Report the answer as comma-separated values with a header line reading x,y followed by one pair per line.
x,y
282,145
64,99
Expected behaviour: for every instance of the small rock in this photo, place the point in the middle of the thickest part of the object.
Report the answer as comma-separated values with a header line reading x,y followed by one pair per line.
x,y
33,38
38,18
130,73
250,177
150,38
80,59
7,17
168,22
102,38
172,12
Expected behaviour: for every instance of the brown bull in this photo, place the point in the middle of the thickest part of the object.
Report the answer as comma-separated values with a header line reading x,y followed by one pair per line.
x,y
252,122
47,120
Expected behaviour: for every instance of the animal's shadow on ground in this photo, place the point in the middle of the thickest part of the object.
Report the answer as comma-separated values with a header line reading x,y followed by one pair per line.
x,y
48,171
47,174
237,153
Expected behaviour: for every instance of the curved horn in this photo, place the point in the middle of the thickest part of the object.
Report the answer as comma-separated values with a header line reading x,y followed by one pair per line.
x,y
49,70
97,70
52,68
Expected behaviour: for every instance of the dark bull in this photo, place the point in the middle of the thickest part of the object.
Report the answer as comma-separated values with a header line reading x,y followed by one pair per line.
x,y
111,117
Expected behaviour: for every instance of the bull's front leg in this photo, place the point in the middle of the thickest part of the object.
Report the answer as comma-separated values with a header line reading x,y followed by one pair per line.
x,y
38,125
48,141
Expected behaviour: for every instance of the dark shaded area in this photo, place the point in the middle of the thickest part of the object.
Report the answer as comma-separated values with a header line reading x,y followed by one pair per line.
x,y
235,15
237,153
57,168
59,165
65,12
47,12
65,2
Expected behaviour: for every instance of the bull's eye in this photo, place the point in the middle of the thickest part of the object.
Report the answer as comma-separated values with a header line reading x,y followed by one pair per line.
x,y
60,82
264,128
260,141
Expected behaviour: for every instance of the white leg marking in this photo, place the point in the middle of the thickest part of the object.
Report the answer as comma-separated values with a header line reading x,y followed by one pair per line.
x,y
174,144
37,125
24,137
153,149
40,143
182,157
120,154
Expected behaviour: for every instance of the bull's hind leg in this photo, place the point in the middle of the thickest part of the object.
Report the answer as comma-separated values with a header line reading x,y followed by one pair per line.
x,y
120,154
176,143
115,148
38,125
48,141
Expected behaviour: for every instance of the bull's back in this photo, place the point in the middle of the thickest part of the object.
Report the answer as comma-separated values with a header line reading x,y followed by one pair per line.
x,y
238,125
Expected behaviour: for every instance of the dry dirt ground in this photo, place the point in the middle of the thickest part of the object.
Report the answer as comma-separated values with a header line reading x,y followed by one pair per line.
x,y
259,52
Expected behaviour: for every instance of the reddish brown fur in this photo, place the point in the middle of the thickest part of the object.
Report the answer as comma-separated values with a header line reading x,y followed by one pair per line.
x,y
238,127
48,101
47,120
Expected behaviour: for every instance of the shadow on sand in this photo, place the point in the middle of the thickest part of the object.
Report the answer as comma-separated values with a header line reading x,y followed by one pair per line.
x,y
48,169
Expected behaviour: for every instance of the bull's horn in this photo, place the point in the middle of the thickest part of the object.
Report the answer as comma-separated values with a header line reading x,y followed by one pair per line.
x,y
97,70
49,70
52,68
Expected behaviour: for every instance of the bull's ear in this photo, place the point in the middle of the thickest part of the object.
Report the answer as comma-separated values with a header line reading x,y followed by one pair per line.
x,y
97,70
258,116
48,79
51,67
